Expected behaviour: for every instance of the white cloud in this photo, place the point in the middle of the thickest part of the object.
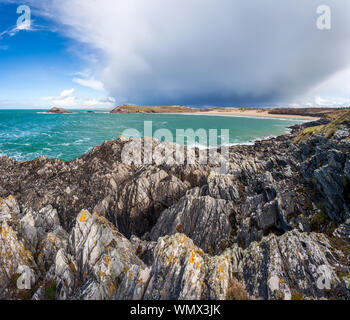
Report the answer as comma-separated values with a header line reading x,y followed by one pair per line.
x,y
205,52
67,100
66,93
100,103
90,83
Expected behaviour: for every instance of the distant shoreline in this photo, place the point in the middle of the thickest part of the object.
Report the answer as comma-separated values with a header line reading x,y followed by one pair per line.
x,y
275,113
252,114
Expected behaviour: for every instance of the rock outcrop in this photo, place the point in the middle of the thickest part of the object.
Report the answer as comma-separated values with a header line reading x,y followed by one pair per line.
x,y
58,110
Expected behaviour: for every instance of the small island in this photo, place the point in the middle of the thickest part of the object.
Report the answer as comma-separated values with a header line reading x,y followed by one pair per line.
x,y
58,110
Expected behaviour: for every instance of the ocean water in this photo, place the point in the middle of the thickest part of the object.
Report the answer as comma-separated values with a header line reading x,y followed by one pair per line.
x,y
27,134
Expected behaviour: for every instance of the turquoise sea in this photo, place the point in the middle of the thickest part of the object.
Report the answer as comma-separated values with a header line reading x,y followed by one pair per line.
x,y
27,134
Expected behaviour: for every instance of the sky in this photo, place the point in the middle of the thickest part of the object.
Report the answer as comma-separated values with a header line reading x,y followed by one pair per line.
x,y
225,53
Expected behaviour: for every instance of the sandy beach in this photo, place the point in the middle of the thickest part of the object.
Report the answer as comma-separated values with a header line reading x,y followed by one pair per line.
x,y
254,113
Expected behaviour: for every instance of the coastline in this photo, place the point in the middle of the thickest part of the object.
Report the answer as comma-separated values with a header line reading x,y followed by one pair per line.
x,y
291,113
256,113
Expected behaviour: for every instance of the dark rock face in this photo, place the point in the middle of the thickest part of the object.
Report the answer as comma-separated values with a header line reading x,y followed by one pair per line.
x,y
58,110
277,222
132,197
193,215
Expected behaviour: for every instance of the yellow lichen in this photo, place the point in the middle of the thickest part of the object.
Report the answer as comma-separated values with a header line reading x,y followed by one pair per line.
x,y
192,258
111,288
83,216
4,233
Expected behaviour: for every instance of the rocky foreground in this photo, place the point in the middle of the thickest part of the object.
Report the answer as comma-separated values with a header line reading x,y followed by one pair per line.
x,y
276,226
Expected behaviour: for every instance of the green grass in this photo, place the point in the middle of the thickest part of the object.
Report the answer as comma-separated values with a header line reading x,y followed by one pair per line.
x,y
50,290
338,118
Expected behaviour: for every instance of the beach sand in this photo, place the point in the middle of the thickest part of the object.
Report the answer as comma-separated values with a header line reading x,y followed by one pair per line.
x,y
254,113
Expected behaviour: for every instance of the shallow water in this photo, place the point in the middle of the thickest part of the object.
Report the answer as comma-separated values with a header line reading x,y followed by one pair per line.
x,y
27,134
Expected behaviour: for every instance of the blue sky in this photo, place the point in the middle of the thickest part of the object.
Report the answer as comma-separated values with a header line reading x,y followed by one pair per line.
x,y
98,54
37,65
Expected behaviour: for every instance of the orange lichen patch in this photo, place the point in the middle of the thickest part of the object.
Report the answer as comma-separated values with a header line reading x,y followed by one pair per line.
x,y
222,278
83,216
108,260
4,233
107,248
125,270
102,274
130,275
192,258
112,289
95,242
140,280
72,267
10,268
203,283
96,215
281,281
221,269
198,265
10,197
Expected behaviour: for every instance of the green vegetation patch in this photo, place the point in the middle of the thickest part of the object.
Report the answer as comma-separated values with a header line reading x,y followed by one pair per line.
x,y
50,290
338,118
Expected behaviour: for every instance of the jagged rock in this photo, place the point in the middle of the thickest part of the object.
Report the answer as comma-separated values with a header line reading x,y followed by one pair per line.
x,y
192,215
15,251
343,231
177,270
341,133
130,196
103,256
296,262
